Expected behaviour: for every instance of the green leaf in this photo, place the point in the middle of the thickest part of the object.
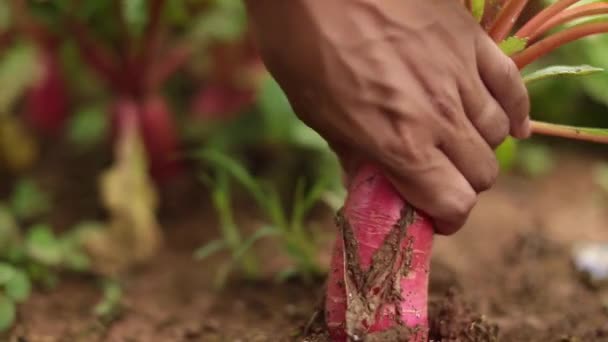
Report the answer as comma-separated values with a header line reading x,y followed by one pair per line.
x,y
209,249
136,15
19,68
536,160
513,45
305,200
506,154
88,127
259,234
7,272
110,305
236,170
9,232
73,255
275,109
478,8
5,15
43,246
176,12
28,201
600,176
560,70
226,21
286,274
19,287
594,50
221,277
7,313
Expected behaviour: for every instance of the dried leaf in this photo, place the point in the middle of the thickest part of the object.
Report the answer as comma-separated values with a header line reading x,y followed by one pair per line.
x,y
133,234
18,149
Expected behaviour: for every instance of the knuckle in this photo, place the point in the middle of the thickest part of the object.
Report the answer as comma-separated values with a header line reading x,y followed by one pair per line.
x,y
457,211
498,138
486,177
408,145
499,133
493,125
518,102
447,107
519,105
465,204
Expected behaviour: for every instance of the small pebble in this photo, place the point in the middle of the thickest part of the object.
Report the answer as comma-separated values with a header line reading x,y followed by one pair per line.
x,y
591,259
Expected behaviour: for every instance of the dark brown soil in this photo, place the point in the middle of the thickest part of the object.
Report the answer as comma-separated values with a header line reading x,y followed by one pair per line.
x,y
507,276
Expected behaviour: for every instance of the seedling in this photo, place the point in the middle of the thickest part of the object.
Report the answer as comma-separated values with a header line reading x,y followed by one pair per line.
x,y
232,237
378,283
287,226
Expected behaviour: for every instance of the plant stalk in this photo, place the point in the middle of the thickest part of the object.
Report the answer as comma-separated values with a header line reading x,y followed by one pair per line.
x,y
152,37
568,132
169,64
569,15
506,19
552,42
103,61
543,17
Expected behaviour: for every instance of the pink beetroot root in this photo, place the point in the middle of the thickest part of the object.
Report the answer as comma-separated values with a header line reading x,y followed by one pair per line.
x,y
47,104
378,281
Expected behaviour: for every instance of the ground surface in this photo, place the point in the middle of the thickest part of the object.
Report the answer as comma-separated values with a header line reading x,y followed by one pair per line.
x,y
511,264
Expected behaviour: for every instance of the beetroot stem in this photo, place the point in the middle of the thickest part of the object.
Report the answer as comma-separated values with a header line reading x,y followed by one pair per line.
x,y
103,61
25,22
543,17
506,19
152,35
552,42
569,132
171,62
569,15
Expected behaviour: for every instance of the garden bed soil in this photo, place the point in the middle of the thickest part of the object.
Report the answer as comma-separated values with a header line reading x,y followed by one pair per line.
x,y
507,276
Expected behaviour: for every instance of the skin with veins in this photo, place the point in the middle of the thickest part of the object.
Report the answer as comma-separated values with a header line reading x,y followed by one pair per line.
x,y
416,87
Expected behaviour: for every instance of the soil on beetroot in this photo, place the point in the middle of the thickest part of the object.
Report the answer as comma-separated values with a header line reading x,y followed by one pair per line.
x,y
506,277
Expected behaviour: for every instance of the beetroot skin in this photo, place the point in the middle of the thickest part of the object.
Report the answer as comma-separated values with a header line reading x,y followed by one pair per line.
x,y
47,101
161,139
221,102
378,282
158,133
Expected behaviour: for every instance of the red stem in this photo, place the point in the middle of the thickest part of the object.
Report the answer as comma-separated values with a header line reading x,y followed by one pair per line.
x,y
26,23
166,66
569,15
552,42
102,60
131,69
543,17
6,38
506,19
152,38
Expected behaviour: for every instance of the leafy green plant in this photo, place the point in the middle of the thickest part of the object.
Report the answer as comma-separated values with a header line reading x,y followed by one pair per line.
x,y
232,237
109,307
31,253
288,226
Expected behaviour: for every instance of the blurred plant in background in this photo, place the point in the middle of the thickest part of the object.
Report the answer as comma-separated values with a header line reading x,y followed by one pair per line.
x,y
32,254
155,80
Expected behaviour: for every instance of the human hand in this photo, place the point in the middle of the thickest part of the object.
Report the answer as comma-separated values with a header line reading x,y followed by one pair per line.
x,y
414,86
